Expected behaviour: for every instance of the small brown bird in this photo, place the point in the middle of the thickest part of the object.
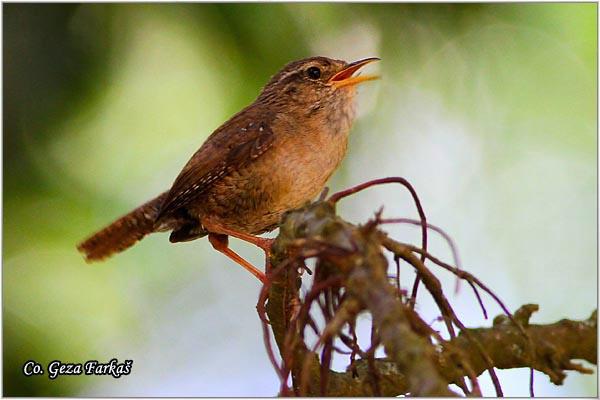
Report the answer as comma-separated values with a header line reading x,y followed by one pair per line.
x,y
273,156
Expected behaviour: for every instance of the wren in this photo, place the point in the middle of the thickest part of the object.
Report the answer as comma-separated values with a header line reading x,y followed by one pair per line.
x,y
273,156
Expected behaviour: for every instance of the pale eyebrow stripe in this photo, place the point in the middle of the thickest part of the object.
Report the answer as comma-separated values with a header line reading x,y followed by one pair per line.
x,y
287,75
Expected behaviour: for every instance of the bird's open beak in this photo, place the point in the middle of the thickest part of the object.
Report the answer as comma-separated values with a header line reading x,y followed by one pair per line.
x,y
345,78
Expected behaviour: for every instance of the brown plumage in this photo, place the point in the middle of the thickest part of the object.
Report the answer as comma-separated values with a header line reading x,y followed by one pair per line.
x,y
272,156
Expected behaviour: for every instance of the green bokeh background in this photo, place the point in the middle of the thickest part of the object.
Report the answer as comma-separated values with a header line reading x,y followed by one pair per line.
x,y
489,110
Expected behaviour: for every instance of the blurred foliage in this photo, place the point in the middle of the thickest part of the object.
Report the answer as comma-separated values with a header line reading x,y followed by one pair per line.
x,y
103,103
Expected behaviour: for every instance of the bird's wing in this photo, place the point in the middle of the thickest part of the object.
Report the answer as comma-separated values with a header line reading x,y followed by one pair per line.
x,y
236,143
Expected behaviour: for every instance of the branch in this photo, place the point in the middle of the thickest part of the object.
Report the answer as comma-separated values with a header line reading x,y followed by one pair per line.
x,y
350,278
368,284
558,345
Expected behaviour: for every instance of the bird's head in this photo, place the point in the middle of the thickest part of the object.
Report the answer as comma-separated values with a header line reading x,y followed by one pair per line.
x,y
316,85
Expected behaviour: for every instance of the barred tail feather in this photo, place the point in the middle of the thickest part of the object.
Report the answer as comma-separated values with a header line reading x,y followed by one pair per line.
x,y
123,233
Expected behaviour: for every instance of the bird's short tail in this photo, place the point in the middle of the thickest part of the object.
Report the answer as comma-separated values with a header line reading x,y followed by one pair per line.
x,y
123,233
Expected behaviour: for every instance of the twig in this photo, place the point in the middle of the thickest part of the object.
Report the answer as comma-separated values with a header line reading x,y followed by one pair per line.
x,y
345,193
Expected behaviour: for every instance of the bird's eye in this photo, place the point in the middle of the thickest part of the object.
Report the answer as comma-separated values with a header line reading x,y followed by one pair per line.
x,y
313,73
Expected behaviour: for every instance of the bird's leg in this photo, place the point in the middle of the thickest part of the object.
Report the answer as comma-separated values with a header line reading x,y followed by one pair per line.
x,y
263,243
213,226
220,243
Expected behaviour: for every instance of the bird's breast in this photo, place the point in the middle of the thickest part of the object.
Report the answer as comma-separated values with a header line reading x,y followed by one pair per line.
x,y
293,171
311,155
